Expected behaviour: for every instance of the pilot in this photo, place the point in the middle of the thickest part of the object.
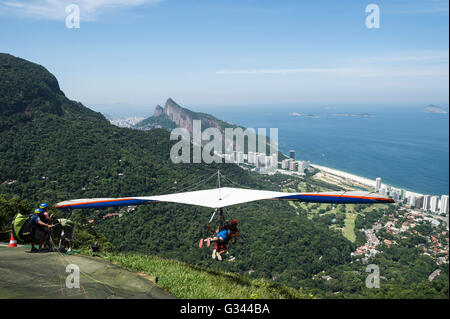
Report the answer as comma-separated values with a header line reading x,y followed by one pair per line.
x,y
226,233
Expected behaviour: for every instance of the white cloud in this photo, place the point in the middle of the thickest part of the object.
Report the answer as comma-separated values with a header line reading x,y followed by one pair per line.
x,y
406,57
55,9
398,64
281,71
365,72
417,8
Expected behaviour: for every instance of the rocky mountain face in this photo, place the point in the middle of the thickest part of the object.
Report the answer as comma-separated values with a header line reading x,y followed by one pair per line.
x,y
158,111
178,115
184,118
173,115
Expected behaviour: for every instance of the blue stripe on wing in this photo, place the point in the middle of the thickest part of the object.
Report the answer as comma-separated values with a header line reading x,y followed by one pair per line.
x,y
336,199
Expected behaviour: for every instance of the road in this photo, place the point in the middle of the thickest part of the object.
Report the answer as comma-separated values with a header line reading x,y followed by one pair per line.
x,y
43,275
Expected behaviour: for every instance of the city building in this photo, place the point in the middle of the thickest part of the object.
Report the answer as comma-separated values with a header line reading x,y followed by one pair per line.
x,y
235,156
302,166
444,204
255,157
275,160
228,158
261,160
434,204
293,165
419,201
396,195
251,157
292,154
240,157
285,163
377,184
412,200
272,161
426,202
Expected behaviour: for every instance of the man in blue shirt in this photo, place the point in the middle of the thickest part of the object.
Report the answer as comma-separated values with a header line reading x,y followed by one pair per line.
x,y
224,235
39,230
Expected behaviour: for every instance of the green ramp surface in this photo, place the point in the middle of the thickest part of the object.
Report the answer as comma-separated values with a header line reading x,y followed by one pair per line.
x,y
43,275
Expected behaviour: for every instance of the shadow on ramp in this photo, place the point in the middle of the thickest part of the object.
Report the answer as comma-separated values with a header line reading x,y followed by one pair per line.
x,y
43,275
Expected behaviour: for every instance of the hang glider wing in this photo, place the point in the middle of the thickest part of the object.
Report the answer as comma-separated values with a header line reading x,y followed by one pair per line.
x,y
223,197
102,202
353,197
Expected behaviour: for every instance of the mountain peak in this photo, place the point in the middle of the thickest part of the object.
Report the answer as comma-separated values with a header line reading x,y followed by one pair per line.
x,y
173,115
170,103
158,111
28,90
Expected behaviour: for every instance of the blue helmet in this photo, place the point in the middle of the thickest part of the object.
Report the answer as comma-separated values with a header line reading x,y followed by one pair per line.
x,y
38,210
43,205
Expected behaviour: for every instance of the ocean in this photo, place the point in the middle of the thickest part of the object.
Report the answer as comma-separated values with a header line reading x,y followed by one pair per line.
x,y
407,148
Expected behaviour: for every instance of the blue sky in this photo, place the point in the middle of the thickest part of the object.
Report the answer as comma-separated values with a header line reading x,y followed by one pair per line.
x,y
129,55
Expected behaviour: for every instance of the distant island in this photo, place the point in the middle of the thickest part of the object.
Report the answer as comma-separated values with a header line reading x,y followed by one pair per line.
x,y
352,115
434,109
304,115
364,115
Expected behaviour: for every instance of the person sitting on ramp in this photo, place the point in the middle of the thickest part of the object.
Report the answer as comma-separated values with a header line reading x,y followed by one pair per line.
x,y
46,217
39,230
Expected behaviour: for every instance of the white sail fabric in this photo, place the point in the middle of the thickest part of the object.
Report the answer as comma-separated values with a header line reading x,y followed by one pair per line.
x,y
218,197
223,197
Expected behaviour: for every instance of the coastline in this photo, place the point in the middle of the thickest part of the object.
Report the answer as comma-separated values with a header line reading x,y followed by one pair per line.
x,y
357,179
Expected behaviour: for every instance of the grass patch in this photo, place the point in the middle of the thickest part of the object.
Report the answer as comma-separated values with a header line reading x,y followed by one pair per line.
x,y
349,228
193,282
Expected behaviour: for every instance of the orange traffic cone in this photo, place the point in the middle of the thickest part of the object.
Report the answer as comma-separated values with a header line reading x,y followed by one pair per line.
x,y
12,242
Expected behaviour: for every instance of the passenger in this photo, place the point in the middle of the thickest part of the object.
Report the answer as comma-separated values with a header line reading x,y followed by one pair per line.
x,y
224,235
219,249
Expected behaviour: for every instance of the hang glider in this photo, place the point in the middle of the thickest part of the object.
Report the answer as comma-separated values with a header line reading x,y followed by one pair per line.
x,y
227,196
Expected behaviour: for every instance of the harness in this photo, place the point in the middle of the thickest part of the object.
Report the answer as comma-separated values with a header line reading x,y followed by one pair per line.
x,y
223,225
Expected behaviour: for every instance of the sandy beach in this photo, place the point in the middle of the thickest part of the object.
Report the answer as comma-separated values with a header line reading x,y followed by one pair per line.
x,y
344,175
337,177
